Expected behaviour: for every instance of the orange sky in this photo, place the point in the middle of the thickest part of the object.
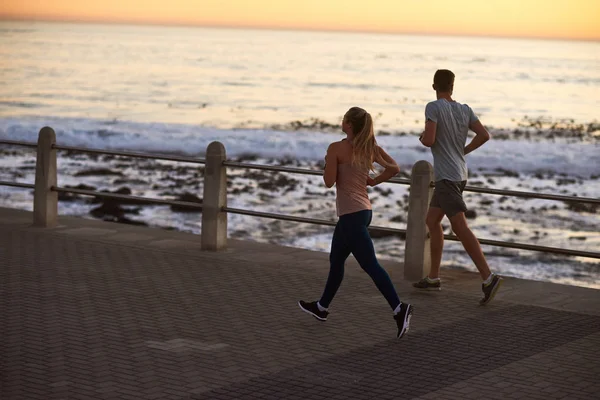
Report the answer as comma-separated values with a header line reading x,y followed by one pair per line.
x,y
573,19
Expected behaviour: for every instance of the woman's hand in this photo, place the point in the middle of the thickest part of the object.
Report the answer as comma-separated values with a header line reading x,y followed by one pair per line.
x,y
371,181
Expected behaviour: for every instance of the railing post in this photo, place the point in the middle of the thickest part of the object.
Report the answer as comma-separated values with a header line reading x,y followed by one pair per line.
x,y
214,221
45,200
417,256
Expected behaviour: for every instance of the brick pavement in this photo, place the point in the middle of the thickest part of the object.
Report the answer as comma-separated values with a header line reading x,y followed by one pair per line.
x,y
93,310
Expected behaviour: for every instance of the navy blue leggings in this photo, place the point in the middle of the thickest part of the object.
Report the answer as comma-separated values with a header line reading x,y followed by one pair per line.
x,y
352,236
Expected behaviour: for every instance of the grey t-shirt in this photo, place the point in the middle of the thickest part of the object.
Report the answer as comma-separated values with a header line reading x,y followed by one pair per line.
x,y
453,120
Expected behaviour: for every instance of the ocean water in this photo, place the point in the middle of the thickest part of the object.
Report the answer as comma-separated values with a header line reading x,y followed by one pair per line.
x,y
278,97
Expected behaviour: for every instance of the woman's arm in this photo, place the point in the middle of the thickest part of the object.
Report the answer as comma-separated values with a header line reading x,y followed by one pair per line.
x,y
391,167
331,162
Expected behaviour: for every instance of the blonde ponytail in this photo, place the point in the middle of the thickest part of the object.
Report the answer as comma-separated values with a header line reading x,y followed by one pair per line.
x,y
364,144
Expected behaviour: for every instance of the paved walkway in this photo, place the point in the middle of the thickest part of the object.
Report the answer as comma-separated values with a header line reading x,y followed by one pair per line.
x,y
93,310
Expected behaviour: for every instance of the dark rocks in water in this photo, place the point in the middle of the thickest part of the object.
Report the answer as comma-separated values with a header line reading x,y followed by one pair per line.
x,y
470,214
506,172
245,189
188,198
491,181
62,196
397,218
383,192
281,182
112,210
265,197
287,162
130,182
486,202
581,207
245,157
565,181
577,238
255,175
98,172
123,191
312,123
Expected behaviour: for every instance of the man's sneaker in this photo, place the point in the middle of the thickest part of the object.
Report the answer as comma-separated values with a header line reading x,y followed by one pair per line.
x,y
428,284
489,290
313,309
403,319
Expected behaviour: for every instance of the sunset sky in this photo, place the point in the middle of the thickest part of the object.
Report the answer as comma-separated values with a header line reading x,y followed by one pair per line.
x,y
569,19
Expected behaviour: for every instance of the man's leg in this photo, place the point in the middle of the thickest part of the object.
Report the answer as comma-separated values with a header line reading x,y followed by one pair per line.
x,y
436,233
469,242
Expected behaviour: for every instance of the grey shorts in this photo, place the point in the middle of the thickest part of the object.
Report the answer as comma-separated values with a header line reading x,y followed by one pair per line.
x,y
447,195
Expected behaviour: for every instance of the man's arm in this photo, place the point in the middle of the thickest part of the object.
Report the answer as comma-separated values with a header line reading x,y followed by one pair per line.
x,y
481,136
428,136
330,172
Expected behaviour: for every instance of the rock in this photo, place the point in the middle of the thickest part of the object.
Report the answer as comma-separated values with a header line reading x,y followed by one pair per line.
x,y
124,191
506,172
130,181
73,196
98,172
565,181
397,218
188,198
470,214
383,192
109,209
582,207
280,183
486,202
577,238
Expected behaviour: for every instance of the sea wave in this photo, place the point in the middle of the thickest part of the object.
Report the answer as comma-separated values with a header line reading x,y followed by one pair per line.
x,y
517,155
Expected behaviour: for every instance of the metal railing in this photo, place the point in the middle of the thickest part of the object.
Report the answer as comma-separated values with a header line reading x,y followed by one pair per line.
x,y
273,168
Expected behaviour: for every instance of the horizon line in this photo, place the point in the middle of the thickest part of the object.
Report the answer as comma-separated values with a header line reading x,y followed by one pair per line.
x,y
279,28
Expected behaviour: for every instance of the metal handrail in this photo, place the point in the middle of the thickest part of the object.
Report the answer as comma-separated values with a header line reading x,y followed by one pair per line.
x,y
274,168
131,154
534,247
18,143
117,196
543,196
18,184
314,221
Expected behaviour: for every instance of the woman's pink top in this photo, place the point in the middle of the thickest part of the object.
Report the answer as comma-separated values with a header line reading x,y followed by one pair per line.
x,y
351,187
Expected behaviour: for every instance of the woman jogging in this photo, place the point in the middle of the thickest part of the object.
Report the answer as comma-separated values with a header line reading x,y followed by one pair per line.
x,y
347,165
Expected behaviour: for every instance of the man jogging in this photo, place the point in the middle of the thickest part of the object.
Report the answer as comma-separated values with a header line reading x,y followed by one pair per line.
x,y
446,127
